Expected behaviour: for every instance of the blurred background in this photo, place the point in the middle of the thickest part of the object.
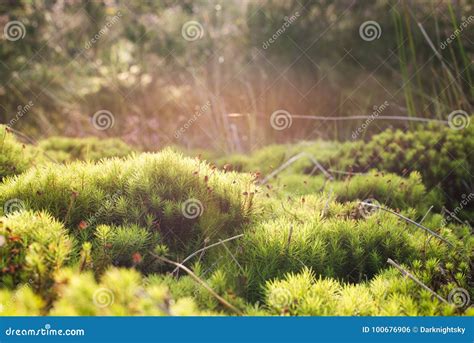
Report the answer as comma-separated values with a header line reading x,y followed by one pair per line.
x,y
210,74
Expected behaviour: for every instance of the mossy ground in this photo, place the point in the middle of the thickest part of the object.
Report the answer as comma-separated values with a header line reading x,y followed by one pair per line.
x,y
89,227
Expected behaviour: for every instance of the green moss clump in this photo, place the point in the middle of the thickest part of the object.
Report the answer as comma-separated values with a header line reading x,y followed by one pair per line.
x,y
20,302
388,294
35,246
348,247
15,157
183,199
120,292
64,149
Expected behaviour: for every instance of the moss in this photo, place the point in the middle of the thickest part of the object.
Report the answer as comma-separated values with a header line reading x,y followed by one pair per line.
x,y
20,302
35,246
386,295
15,157
120,292
339,241
64,149
181,198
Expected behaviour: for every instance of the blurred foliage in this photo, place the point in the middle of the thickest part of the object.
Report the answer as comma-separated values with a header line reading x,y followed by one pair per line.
x,y
130,58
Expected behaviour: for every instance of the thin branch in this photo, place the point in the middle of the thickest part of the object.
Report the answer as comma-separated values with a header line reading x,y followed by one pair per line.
x,y
411,276
201,282
427,212
451,214
290,234
293,160
326,206
409,221
233,257
205,248
401,118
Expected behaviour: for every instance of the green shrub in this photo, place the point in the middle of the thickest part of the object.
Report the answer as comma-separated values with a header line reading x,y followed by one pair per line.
x,y
35,246
64,149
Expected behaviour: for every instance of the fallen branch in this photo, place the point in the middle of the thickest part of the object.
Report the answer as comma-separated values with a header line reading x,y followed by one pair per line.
x,y
411,276
201,282
409,221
